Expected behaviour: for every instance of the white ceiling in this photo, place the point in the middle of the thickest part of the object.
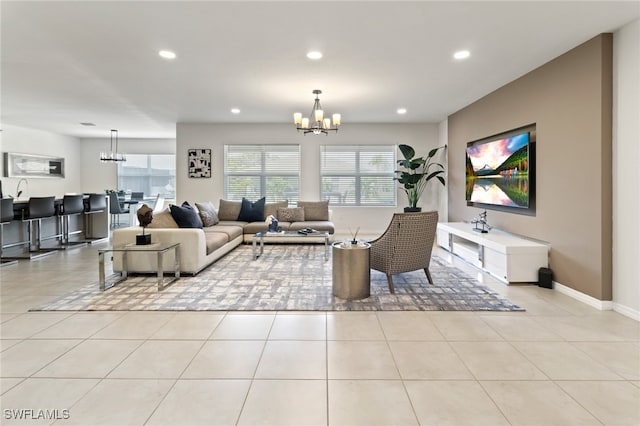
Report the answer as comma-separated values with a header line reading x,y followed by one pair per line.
x,y
69,62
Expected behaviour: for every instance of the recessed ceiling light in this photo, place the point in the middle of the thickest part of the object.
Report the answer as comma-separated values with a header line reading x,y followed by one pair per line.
x,y
167,54
401,111
314,55
235,110
87,124
462,54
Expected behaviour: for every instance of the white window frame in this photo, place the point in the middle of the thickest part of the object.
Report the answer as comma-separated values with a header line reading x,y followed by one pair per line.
x,y
148,193
263,174
357,174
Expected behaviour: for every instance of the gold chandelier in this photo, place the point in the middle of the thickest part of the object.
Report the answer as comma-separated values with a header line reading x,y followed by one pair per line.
x,y
316,123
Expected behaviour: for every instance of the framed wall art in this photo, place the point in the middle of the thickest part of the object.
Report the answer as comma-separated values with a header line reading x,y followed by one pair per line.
x,y
32,166
199,163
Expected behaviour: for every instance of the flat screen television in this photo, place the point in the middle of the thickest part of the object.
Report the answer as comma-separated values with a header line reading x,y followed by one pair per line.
x,y
500,171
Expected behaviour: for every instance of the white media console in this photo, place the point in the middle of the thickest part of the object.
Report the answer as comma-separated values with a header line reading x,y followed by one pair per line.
x,y
508,257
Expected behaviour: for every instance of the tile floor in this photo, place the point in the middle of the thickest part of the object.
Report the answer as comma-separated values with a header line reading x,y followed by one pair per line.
x,y
560,362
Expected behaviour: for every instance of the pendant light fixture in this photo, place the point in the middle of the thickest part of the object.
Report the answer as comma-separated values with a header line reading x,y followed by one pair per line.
x,y
316,123
113,155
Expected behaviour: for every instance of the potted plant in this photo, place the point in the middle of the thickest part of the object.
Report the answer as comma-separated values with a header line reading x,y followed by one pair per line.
x,y
415,174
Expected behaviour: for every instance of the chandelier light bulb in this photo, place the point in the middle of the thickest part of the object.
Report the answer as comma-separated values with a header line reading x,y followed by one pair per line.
x,y
297,117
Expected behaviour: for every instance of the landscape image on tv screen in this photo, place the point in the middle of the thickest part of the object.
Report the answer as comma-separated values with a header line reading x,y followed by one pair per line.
x,y
497,172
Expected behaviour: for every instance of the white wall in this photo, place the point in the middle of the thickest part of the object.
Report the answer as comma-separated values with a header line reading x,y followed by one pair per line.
x,y
97,176
371,220
626,157
29,141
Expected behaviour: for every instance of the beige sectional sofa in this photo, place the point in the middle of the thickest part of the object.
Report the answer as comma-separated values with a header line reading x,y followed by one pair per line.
x,y
200,247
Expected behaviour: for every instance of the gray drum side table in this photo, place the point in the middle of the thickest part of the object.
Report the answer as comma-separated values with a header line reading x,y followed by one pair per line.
x,y
351,270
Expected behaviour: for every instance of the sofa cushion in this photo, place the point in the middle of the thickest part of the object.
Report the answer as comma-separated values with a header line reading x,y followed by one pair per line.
x,y
272,208
315,210
318,225
185,216
288,214
207,213
229,210
163,219
231,231
215,240
252,211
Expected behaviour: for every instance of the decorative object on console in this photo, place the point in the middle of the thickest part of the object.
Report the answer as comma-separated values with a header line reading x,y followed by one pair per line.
x,y
316,123
354,235
113,155
416,173
145,216
480,223
199,163
273,223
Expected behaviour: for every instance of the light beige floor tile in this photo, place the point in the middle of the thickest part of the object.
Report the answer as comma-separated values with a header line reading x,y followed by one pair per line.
x,y
599,328
119,402
535,306
7,383
496,361
21,304
561,361
621,357
26,325
7,343
134,325
90,359
369,403
293,359
285,402
353,326
6,317
408,326
51,394
226,359
514,328
189,325
29,356
158,359
360,360
202,402
299,327
537,403
244,327
453,403
636,383
428,360
613,403
464,328
79,326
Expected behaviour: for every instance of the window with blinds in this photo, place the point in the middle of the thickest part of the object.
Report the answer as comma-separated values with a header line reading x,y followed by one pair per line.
x,y
256,171
358,175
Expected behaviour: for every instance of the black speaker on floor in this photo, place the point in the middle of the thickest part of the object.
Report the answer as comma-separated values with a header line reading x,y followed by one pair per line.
x,y
545,278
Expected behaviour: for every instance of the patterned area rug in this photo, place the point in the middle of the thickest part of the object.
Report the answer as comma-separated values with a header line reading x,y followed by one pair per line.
x,y
285,277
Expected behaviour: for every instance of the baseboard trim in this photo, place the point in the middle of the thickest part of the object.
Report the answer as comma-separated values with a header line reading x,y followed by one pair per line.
x,y
603,305
626,311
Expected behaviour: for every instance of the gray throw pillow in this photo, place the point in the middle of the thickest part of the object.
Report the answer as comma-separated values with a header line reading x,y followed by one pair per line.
x,y
207,213
315,210
295,214
229,210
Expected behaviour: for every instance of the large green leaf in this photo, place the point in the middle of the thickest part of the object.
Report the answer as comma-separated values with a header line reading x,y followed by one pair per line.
x,y
407,152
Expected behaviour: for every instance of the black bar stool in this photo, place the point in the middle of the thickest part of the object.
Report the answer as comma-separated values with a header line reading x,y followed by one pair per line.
x,y
94,203
72,205
6,216
39,208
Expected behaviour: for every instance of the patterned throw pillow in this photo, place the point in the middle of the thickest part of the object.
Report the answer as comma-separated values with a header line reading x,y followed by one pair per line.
x,y
207,214
295,214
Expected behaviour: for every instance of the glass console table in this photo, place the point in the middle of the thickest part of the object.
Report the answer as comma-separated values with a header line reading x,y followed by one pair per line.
x,y
130,249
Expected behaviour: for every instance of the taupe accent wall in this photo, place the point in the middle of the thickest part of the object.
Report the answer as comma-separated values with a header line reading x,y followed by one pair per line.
x,y
569,99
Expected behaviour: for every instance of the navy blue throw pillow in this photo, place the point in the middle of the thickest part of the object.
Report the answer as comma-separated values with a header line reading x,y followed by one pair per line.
x,y
185,216
252,212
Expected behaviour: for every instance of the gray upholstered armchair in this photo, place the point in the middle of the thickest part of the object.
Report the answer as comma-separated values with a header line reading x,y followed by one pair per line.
x,y
406,245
